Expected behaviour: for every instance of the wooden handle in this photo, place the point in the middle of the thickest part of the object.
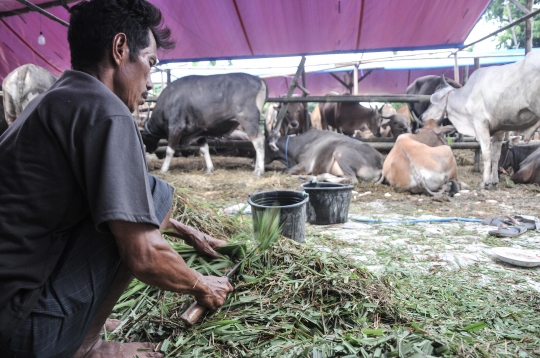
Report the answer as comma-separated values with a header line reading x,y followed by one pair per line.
x,y
193,313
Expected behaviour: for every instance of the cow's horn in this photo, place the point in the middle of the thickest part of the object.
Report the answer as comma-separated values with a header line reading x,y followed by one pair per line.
x,y
415,117
444,80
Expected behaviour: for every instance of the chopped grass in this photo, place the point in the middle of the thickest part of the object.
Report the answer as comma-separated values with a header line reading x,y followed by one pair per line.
x,y
313,301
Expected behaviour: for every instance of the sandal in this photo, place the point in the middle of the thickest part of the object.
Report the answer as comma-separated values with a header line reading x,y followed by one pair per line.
x,y
511,231
529,221
498,221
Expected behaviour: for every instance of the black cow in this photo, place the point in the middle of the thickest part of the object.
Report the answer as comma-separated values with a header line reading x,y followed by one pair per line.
x,y
529,171
195,107
513,155
323,152
426,85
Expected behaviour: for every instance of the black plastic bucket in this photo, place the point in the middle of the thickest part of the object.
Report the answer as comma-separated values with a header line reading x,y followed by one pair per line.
x,y
328,202
292,205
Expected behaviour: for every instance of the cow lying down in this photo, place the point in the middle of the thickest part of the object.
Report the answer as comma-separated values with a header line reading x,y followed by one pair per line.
x,y
336,157
524,160
422,162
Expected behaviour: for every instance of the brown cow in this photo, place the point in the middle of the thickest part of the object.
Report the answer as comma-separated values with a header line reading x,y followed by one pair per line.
x,y
316,118
346,117
293,122
422,163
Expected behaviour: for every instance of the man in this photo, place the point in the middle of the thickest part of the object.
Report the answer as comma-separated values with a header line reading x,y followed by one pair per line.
x,y
79,215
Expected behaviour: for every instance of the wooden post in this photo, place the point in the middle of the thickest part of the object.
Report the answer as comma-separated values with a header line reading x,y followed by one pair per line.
x,y
476,168
355,79
456,68
476,63
528,29
516,45
168,76
307,122
465,74
293,85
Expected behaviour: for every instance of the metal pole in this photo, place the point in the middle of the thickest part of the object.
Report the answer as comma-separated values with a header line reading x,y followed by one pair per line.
x,y
355,79
456,68
43,12
518,21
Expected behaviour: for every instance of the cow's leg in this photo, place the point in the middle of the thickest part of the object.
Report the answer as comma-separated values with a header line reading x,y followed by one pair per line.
x,y
205,150
168,157
484,139
174,138
258,144
496,145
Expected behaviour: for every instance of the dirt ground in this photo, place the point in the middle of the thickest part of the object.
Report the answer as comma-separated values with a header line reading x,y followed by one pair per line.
x,y
232,182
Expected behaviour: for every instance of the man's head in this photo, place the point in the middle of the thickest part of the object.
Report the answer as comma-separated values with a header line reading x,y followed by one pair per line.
x,y
122,36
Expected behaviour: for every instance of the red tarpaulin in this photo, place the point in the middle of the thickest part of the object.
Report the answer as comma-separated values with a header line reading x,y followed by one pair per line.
x,y
226,29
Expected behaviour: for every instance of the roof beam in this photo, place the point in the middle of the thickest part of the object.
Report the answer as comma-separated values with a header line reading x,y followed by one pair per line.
x,y
43,12
27,9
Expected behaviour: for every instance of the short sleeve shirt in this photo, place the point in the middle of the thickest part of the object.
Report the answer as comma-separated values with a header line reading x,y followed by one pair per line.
x,y
74,151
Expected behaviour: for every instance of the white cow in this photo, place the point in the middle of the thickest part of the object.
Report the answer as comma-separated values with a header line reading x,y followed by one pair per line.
x,y
494,100
21,86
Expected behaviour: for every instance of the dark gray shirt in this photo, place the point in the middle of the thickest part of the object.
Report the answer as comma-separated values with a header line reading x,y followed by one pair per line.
x,y
74,151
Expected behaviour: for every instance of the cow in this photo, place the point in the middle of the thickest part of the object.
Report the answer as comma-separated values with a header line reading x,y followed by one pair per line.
x,y
346,117
195,107
426,85
316,118
513,154
323,152
391,127
21,86
293,122
495,99
529,171
422,162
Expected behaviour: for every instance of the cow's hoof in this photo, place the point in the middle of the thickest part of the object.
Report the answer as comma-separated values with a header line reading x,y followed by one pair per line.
x,y
258,173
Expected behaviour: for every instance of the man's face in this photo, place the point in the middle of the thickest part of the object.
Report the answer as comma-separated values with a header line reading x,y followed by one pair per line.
x,y
132,80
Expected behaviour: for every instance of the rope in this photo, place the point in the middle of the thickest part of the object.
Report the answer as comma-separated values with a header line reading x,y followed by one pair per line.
x,y
413,221
148,130
287,152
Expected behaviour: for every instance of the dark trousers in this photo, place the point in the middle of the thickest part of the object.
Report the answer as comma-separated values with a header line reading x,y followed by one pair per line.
x,y
77,287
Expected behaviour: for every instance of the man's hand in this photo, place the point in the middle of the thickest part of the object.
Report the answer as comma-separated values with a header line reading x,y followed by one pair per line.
x,y
202,243
216,291
152,260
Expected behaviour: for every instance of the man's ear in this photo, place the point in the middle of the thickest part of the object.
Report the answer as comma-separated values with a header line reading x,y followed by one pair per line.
x,y
120,50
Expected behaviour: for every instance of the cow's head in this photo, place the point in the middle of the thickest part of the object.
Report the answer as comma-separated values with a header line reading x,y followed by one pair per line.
x,y
506,160
150,140
398,123
374,121
439,103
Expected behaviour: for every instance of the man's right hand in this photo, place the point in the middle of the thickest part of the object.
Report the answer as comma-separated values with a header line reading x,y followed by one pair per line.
x,y
213,291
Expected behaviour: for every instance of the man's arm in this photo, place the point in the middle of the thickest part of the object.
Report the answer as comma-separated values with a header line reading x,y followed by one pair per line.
x,y
152,260
204,244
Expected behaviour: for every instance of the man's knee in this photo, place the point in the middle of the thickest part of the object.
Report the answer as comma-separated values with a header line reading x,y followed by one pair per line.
x,y
162,196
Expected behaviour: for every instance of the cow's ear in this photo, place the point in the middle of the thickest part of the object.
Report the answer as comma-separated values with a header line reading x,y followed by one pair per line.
x,y
514,140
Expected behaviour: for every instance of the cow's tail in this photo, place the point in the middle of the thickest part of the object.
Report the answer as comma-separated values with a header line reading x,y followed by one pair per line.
x,y
419,178
381,179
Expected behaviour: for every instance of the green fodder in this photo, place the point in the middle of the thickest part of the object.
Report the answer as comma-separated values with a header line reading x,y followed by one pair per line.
x,y
293,301
198,214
